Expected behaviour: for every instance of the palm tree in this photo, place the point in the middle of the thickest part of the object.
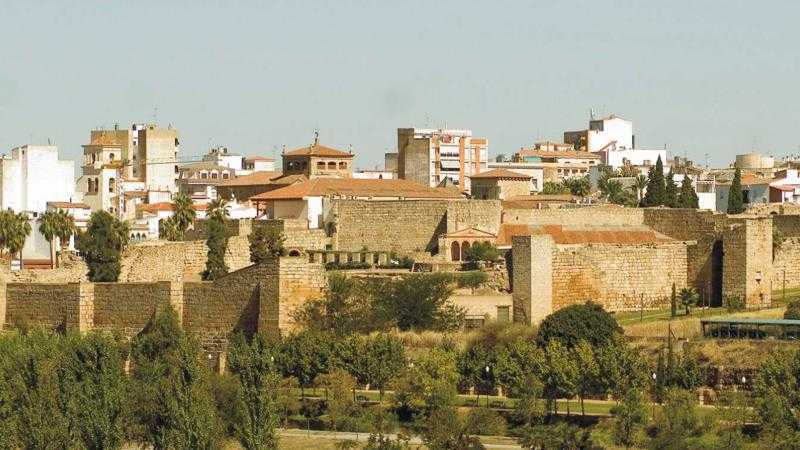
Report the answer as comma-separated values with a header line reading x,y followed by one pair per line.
x,y
640,184
14,230
183,212
218,209
688,296
57,224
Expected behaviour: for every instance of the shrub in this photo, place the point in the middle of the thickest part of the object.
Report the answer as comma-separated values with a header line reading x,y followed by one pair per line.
x,y
570,325
349,265
482,251
471,279
266,243
792,310
734,303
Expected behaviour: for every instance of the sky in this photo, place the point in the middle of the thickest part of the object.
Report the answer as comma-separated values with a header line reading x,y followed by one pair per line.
x,y
712,78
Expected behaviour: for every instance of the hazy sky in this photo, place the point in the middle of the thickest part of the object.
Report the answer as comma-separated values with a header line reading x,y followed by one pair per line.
x,y
717,77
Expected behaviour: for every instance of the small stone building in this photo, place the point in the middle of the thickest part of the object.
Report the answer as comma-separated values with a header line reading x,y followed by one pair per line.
x,y
500,184
318,161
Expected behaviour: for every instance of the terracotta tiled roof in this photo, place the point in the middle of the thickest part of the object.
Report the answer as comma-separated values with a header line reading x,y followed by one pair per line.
x,y
319,150
167,206
558,154
354,187
68,205
254,178
785,187
502,173
258,158
750,180
562,236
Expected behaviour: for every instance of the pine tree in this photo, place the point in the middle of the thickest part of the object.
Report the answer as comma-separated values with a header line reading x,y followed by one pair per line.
x,y
670,191
687,198
735,199
217,244
656,187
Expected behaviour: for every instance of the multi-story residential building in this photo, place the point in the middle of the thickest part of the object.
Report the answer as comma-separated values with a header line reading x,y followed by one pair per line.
x,y
199,180
157,157
220,156
318,161
258,164
434,157
611,131
559,165
32,176
124,168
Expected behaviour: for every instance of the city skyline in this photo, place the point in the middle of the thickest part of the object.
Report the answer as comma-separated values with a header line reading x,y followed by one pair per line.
x,y
697,78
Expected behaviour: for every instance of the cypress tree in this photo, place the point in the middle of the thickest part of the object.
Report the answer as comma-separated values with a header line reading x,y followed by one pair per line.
x,y
656,188
687,197
735,200
670,191
101,246
217,244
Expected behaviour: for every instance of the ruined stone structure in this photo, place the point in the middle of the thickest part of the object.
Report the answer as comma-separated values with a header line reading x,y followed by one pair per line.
x,y
256,298
409,226
606,255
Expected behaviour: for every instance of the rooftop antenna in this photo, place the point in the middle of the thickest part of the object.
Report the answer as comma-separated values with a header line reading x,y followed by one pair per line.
x,y
350,148
316,137
283,149
591,113
155,114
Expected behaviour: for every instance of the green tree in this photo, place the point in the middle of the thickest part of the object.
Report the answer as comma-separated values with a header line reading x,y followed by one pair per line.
x,y
687,197
673,302
183,214
560,436
560,374
342,411
306,355
426,384
656,187
57,224
254,365
482,251
168,229
588,322
777,394
792,310
735,195
670,191
679,421
94,389
519,366
420,302
640,184
217,243
588,380
101,246
621,367
266,243
554,188
383,358
348,306
688,296
444,430
172,404
219,209
14,230
630,417
578,186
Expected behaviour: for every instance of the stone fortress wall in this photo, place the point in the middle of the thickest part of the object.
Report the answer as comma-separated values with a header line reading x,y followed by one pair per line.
x,y
407,227
256,298
722,256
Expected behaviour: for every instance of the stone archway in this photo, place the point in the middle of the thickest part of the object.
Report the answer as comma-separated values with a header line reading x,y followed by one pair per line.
x,y
464,248
717,254
455,251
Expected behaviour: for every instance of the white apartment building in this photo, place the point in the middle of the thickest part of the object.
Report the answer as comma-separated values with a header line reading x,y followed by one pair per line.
x,y
440,156
32,176
611,131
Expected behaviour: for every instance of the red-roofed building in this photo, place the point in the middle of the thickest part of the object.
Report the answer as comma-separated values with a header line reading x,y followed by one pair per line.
x,y
500,184
318,161
310,199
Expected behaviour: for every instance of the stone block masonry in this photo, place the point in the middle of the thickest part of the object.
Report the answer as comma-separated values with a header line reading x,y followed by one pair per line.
x,y
256,298
620,277
407,227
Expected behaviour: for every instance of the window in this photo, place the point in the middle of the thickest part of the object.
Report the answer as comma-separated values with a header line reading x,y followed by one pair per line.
x,y
332,165
225,175
321,165
214,175
746,196
203,175
342,165
110,156
112,185
504,314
